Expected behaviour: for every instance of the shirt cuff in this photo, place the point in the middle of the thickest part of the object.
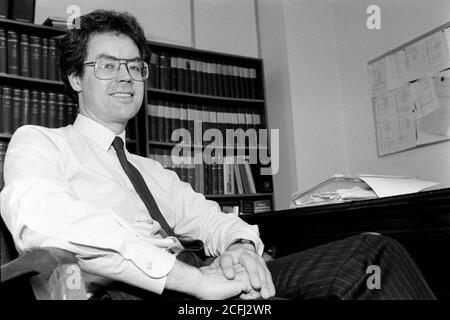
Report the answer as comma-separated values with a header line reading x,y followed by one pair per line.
x,y
153,261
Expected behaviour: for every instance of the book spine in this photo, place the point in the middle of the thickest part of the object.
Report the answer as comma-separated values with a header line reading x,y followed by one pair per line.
x,y
25,115
245,182
153,68
167,121
187,76
215,177
153,108
13,53
24,55
175,118
4,9
220,178
193,64
161,121
215,90
16,109
44,109
237,178
6,111
220,80
181,63
165,70
52,60
226,81
70,111
253,85
60,112
35,57
251,181
52,110
174,72
44,59
3,51
199,72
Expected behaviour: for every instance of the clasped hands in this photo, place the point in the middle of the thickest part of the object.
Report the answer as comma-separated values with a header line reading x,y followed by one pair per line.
x,y
244,274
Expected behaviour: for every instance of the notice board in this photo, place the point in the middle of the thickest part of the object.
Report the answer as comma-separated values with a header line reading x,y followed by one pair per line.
x,y
410,93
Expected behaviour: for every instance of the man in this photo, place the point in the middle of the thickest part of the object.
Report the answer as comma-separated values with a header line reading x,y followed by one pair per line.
x,y
75,188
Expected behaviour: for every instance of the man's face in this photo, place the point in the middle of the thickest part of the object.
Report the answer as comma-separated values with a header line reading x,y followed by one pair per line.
x,y
110,102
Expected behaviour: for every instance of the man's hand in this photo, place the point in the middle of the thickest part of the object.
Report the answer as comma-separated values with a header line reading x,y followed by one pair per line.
x,y
208,282
244,255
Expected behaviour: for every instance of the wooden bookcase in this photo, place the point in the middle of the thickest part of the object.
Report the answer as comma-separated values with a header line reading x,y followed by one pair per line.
x,y
172,96
139,138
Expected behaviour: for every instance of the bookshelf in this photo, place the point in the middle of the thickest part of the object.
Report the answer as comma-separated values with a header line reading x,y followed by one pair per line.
x,y
217,90
204,91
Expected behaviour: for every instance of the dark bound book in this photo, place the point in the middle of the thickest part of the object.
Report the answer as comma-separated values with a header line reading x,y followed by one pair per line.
x,y
16,109
168,121
60,112
187,76
174,72
52,60
51,103
35,57
13,53
153,123
24,55
25,114
181,71
23,10
199,76
215,177
4,9
43,109
161,121
165,71
6,111
34,108
220,177
44,59
153,78
193,64
3,51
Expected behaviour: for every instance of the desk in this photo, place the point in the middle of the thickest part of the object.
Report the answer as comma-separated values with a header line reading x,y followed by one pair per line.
x,y
420,222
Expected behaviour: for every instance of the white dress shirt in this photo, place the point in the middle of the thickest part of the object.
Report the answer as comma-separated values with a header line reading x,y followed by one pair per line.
x,y
66,188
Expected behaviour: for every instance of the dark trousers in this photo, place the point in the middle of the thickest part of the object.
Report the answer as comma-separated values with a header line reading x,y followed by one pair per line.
x,y
344,269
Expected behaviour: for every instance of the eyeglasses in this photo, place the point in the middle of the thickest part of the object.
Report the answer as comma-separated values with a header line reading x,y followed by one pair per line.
x,y
108,68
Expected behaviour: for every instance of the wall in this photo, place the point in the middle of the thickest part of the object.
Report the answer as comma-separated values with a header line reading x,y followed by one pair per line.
x,y
163,20
401,21
315,91
226,26
273,50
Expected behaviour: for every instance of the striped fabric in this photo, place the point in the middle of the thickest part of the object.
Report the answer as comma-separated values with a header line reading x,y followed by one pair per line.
x,y
336,270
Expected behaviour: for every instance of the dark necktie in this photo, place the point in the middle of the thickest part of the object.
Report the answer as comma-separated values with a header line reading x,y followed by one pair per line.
x,y
141,188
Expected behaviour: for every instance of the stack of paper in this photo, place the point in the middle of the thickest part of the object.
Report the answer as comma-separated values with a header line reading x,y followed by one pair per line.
x,y
341,188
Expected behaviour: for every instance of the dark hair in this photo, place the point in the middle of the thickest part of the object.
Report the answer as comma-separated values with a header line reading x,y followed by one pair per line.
x,y
73,46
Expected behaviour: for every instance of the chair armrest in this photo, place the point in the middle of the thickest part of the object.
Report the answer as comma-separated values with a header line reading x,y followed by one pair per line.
x,y
56,269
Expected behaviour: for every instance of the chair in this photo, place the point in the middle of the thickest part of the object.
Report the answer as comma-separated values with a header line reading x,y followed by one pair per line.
x,y
56,269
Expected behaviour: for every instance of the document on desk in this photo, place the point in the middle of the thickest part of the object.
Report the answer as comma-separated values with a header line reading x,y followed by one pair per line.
x,y
386,186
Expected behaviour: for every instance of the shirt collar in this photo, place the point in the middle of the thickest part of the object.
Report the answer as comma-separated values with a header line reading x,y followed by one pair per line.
x,y
96,131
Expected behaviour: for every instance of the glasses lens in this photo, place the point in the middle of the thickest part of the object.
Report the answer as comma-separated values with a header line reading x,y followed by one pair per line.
x,y
138,70
106,68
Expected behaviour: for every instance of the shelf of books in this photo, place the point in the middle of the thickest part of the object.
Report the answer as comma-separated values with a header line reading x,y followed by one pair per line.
x,y
202,117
